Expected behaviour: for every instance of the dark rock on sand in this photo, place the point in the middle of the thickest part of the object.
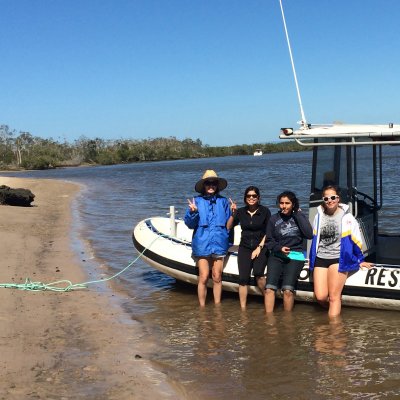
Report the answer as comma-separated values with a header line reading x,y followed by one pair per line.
x,y
16,197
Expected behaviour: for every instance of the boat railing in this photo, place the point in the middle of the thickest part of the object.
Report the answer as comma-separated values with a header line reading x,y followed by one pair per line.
x,y
172,221
305,137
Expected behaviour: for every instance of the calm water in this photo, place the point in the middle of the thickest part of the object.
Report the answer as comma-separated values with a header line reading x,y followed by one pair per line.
x,y
220,352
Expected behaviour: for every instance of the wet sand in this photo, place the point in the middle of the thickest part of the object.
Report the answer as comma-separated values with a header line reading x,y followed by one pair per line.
x,y
64,345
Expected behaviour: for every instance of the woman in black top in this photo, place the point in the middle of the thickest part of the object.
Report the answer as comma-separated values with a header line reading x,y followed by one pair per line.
x,y
252,254
286,232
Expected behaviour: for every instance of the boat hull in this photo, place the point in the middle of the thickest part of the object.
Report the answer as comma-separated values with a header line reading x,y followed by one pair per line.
x,y
378,287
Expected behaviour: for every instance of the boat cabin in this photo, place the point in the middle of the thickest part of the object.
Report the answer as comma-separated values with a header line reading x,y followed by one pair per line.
x,y
362,161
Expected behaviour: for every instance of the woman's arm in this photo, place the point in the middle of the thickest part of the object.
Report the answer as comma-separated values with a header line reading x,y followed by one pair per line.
x,y
304,224
192,215
262,243
272,242
233,219
256,252
229,224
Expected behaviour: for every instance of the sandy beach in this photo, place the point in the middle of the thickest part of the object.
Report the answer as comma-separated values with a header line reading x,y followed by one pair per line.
x,y
63,345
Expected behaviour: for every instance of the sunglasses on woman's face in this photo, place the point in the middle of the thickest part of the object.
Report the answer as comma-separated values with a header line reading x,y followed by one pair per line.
x,y
211,183
251,196
327,198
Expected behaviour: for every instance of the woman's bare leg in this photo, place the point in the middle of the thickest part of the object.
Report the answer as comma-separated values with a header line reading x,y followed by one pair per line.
x,y
288,300
321,292
261,283
269,300
204,271
217,279
243,296
336,281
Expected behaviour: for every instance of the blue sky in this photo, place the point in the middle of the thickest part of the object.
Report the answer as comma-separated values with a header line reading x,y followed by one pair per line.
x,y
214,70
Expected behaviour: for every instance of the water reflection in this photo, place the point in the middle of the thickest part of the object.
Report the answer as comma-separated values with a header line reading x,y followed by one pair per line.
x,y
351,358
331,342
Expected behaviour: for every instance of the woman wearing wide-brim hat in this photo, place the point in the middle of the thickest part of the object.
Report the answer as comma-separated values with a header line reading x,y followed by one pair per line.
x,y
208,215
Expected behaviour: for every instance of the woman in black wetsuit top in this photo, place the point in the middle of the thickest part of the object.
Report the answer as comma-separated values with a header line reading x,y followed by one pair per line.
x,y
252,254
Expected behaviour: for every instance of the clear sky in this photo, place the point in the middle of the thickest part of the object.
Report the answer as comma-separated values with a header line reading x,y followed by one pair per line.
x,y
214,70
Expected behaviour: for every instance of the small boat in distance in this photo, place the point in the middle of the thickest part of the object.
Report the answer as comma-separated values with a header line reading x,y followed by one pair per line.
x,y
258,152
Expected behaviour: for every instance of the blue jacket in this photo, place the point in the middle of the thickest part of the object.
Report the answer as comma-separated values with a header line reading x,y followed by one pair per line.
x,y
350,244
210,234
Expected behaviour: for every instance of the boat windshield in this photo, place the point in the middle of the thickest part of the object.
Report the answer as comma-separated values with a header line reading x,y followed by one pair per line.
x,y
329,168
355,169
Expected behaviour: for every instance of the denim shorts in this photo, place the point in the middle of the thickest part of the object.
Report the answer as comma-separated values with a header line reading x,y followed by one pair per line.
x,y
283,273
213,256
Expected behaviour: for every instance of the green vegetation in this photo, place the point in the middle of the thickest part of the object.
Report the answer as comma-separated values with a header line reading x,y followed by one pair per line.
x,y
24,151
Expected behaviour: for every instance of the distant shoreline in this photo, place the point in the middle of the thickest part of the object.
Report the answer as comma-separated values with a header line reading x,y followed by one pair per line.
x,y
283,148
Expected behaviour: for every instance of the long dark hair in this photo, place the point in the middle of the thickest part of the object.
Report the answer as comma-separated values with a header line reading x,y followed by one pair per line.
x,y
291,196
251,189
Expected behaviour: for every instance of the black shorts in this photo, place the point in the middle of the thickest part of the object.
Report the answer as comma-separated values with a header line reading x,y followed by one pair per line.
x,y
246,264
325,262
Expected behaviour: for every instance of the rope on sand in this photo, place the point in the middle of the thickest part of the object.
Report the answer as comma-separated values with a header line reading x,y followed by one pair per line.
x,y
66,285
39,286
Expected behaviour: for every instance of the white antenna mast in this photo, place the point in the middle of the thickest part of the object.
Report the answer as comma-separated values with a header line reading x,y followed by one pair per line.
x,y
303,121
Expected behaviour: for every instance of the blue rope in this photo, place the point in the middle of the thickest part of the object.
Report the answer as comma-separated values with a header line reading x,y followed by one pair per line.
x,y
66,285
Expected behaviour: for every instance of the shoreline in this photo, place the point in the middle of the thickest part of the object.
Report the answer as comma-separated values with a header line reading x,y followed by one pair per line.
x,y
68,345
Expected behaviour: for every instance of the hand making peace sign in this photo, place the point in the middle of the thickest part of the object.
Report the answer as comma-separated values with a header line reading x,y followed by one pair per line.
x,y
192,205
233,206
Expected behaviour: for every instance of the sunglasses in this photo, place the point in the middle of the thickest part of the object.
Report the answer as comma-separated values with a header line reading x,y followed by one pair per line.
x,y
251,196
211,183
327,198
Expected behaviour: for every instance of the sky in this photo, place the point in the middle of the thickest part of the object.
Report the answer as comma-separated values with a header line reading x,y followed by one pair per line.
x,y
214,70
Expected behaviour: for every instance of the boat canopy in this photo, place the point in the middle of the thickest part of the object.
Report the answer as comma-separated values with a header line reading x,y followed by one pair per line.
x,y
355,134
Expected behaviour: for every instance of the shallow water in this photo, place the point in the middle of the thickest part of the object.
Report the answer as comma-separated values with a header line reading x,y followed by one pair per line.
x,y
222,352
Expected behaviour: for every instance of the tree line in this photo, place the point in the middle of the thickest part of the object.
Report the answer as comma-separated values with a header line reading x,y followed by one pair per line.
x,y
24,151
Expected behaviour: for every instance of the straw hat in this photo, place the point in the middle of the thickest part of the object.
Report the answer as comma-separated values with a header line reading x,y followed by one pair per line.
x,y
210,175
